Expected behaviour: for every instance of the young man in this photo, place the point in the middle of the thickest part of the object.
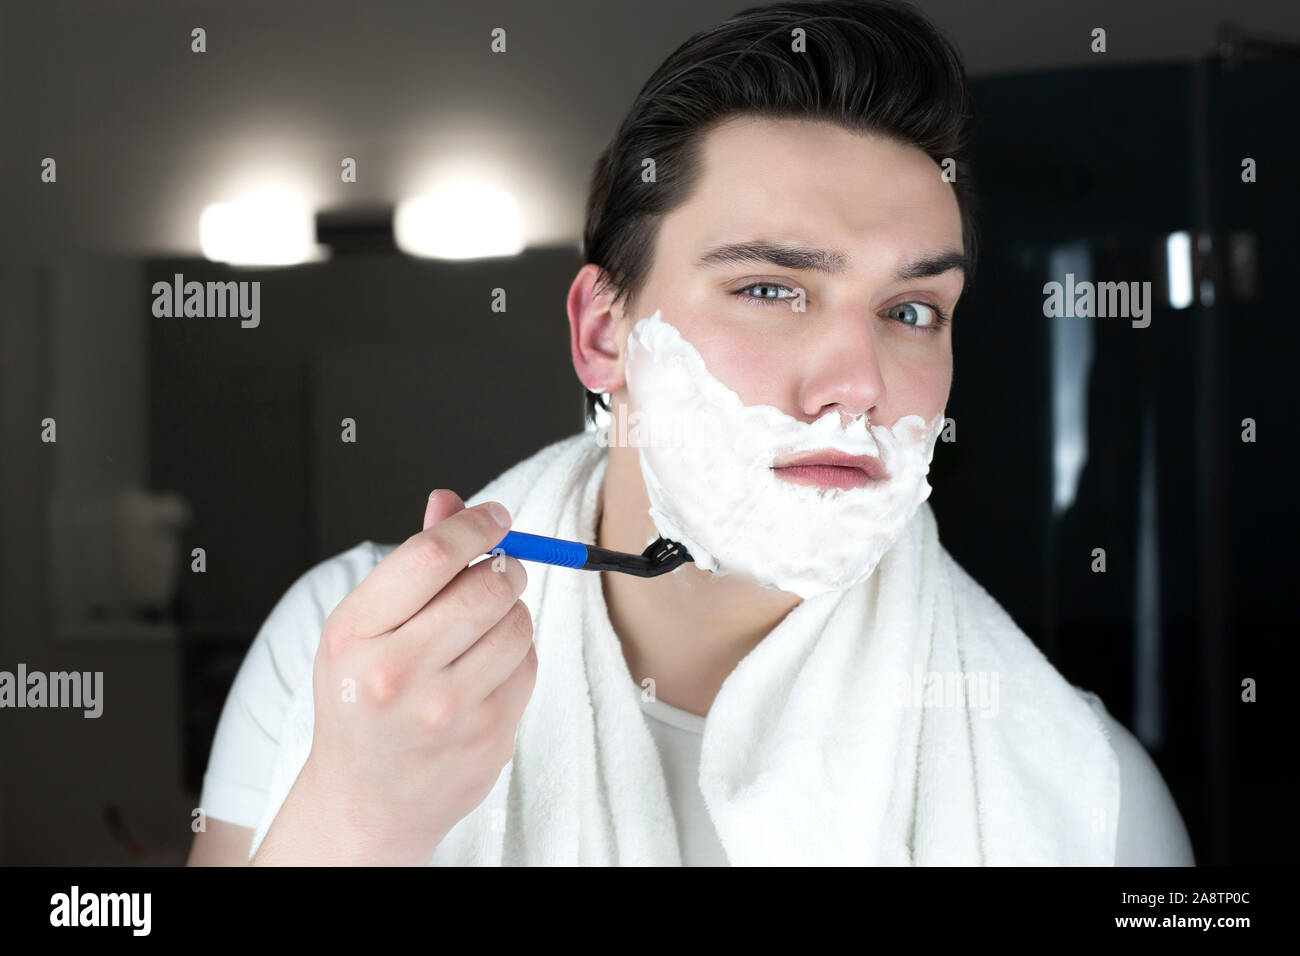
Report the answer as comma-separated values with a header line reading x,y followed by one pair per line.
x,y
782,282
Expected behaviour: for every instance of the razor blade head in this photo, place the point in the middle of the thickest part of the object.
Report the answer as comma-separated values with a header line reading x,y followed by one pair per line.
x,y
663,555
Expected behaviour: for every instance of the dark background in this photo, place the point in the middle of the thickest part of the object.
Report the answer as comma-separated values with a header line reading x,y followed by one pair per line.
x,y
1084,160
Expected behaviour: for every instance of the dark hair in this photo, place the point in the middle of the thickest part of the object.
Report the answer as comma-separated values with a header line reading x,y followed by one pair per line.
x,y
870,66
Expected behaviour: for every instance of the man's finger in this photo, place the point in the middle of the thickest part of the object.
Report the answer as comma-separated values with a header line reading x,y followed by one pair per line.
x,y
407,579
443,503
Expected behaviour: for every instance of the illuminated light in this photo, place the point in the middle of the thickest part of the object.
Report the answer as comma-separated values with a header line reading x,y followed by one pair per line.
x,y
1178,255
459,220
266,229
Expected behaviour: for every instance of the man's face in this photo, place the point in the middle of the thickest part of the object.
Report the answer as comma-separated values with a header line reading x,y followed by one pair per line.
x,y
867,340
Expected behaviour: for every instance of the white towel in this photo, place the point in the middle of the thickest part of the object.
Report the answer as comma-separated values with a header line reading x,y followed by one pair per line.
x,y
811,753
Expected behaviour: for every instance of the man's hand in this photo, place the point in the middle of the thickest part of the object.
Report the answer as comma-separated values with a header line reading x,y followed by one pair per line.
x,y
422,674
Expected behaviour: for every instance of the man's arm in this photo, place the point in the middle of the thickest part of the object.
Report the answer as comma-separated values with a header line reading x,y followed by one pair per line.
x,y
221,844
244,747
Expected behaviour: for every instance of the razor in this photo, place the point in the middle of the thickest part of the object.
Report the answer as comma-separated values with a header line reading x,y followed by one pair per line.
x,y
660,556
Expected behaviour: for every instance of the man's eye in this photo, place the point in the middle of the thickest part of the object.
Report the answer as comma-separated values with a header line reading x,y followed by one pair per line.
x,y
920,316
930,319
766,292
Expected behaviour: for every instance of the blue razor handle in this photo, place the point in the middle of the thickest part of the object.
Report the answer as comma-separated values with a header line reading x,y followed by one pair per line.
x,y
536,547
661,555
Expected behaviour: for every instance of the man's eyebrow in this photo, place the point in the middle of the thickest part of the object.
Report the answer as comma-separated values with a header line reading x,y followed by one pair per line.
x,y
830,261
787,257
936,265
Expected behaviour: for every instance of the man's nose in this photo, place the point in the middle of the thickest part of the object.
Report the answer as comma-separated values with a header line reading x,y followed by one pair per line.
x,y
845,368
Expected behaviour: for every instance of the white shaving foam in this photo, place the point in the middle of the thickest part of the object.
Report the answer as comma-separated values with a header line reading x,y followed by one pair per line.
x,y
708,473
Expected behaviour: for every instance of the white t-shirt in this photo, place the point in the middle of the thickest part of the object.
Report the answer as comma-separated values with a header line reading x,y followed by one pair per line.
x,y
237,780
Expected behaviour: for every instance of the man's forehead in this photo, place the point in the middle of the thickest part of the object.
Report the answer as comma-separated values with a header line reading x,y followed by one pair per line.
x,y
749,205
739,195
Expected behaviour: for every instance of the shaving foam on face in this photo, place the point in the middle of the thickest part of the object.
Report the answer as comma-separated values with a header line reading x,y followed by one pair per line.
x,y
708,471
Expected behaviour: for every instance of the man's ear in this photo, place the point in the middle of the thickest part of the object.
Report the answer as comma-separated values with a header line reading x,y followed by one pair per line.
x,y
594,327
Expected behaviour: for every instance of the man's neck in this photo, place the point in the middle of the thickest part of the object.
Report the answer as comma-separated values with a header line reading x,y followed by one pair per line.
x,y
686,630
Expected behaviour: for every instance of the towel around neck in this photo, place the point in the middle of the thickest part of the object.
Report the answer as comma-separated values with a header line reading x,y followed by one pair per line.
x,y
812,752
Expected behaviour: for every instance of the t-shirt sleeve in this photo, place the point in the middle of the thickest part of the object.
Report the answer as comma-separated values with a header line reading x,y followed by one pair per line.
x,y
1151,830
237,780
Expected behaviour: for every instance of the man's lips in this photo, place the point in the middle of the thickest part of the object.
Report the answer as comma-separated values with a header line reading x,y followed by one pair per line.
x,y
831,469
